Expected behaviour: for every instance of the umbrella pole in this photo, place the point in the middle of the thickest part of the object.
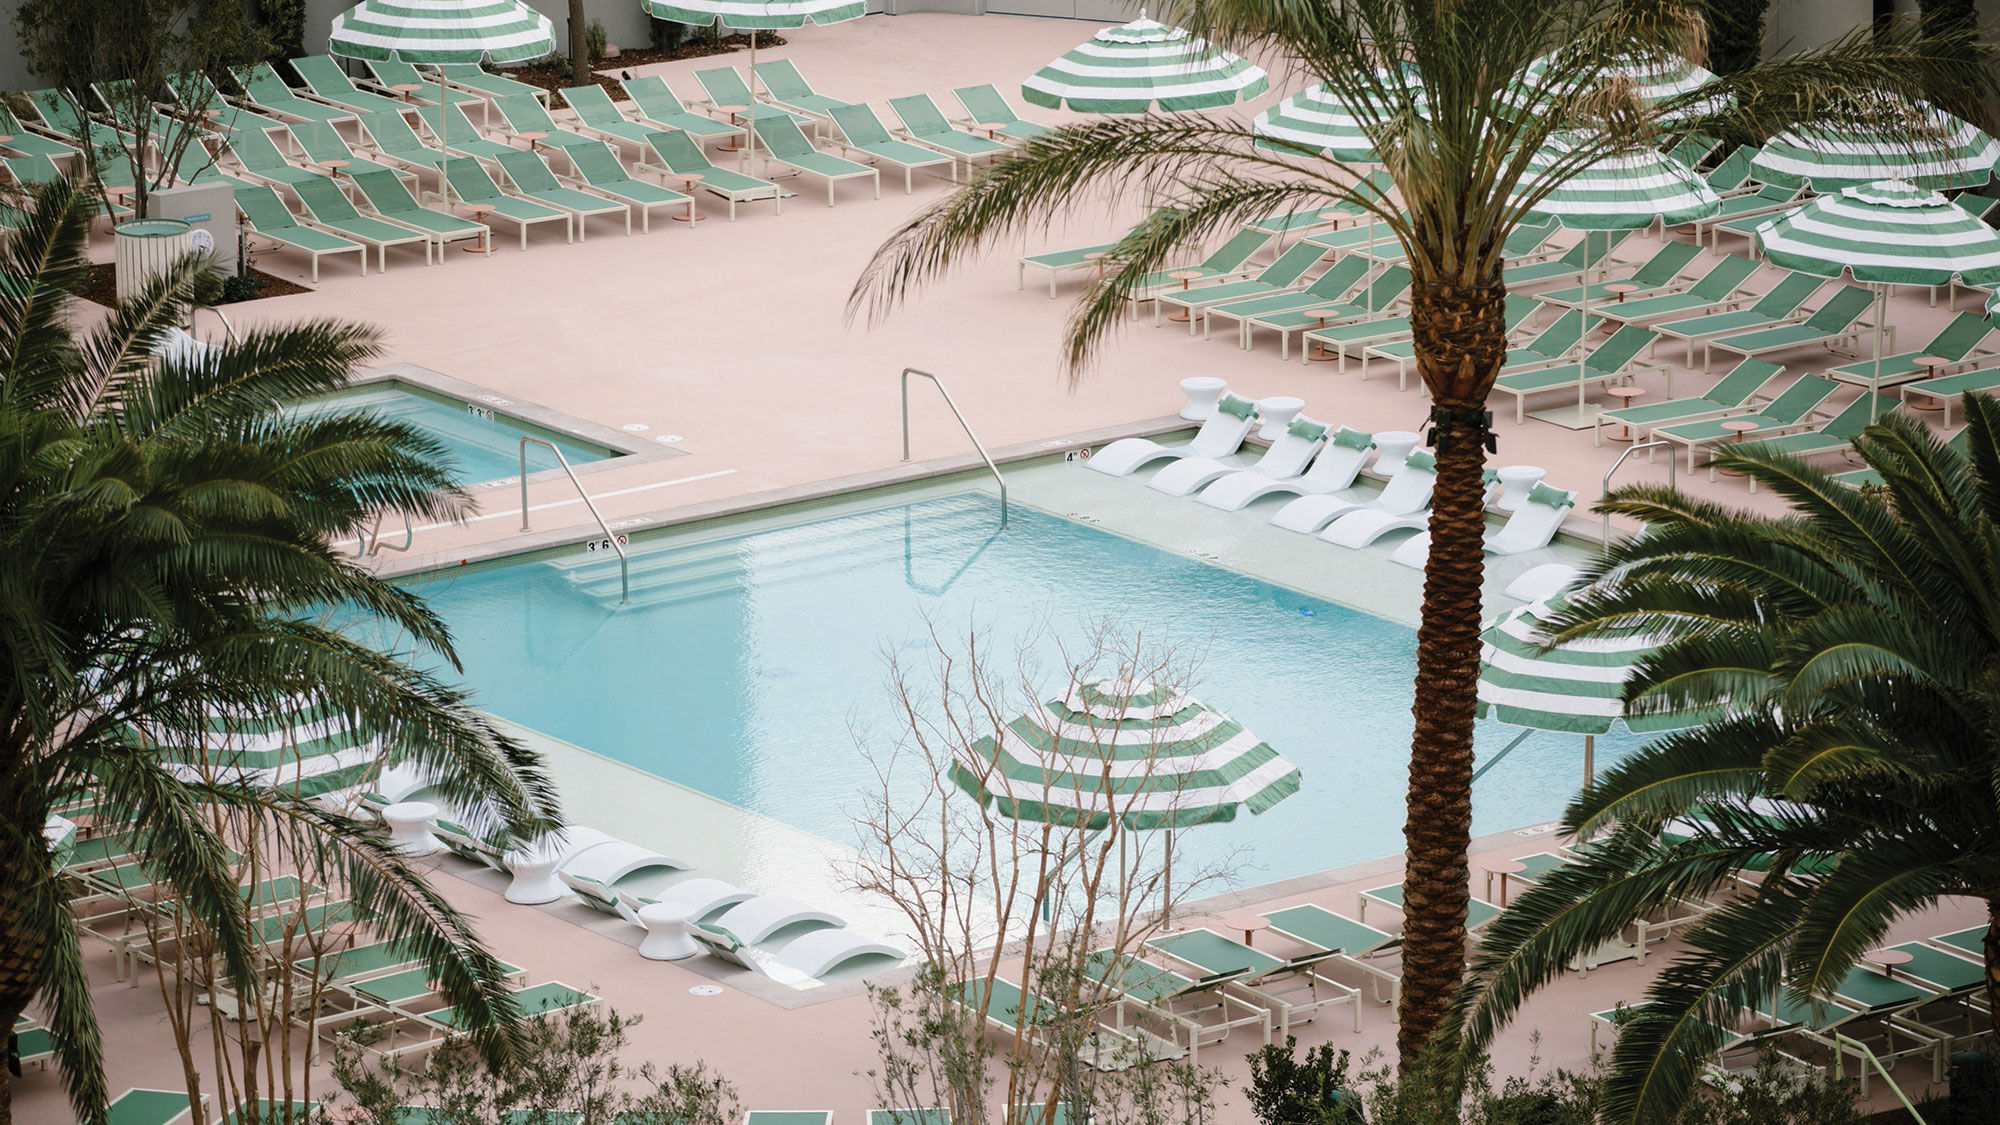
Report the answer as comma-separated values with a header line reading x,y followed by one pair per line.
x,y
1589,757
1881,314
1583,329
1167,883
750,122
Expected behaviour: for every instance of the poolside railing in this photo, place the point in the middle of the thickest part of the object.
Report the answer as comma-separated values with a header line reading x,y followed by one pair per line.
x,y
962,423
610,536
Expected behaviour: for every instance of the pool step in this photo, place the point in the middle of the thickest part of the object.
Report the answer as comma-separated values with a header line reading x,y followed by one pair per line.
x,y
667,572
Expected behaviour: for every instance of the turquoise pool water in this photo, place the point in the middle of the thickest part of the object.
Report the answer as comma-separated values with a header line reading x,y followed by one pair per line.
x,y
744,666
484,443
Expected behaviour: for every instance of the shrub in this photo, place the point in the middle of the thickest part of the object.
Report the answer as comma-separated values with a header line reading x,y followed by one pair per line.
x,y
1285,1090
595,40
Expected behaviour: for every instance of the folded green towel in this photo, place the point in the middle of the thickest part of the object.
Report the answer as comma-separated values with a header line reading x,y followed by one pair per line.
x,y
1353,438
1306,428
1237,406
1553,497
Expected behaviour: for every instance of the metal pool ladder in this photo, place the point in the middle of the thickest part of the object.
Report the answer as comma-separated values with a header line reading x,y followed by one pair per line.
x,y
611,537
962,424
1629,451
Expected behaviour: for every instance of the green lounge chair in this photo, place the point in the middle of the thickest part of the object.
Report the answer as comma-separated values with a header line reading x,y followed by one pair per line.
x,y
1746,212
725,87
1970,941
348,966
1286,273
193,91
788,1117
1792,410
1355,337
1947,389
1779,305
269,94
1733,392
1657,276
1013,1014
1294,989
603,173
524,114
1608,362
1327,289
926,124
1549,346
391,138
661,108
532,178
599,116
1230,260
986,107
909,1117
786,88
394,203
148,1107
1378,298
268,216
427,91
540,999
1526,245
1058,262
322,144
1836,436
1732,171
1317,928
34,1043
1478,912
330,208
1833,321
1957,343
681,155
326,82
1694,148
195,164
787,145
1592,251
1715,291
456,132
59,113
480,81
28,143
863,132
1178,1001
474,186
260,159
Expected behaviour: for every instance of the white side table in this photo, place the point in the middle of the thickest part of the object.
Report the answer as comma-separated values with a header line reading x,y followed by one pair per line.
x,y
1516,482
410,827
1391,446
667,932
1278,413
534,872
1203,392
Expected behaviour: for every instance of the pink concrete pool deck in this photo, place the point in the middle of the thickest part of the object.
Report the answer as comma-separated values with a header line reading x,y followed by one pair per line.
x,y
734,337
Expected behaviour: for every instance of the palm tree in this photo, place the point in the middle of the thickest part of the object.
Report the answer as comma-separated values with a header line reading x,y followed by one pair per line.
x,y
1456,150
1846,651
168,534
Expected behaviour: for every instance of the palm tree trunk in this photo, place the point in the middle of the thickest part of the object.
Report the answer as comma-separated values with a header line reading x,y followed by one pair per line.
x,y
579,45
1461,338
20,959
1991,947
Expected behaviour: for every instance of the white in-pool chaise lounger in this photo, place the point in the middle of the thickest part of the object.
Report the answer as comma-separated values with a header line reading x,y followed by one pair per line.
x,y
1285,459
1338,463
1530,528
703,898
1408,490
755,919
1220,436
615,859
810,955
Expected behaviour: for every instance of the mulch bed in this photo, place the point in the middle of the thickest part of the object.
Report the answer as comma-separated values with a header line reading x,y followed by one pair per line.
x,y
554,78
101,286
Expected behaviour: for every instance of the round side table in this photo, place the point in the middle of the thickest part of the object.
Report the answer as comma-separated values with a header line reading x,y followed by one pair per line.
x,y
1315,351
688,181
1098,257
1930,364
734,111
1888,959
407,89
1391,446
1203,392
534,872
1250,924
1738,427
1186,278
1505,868
1618,290
534,139
1278,413
479,211
332,167
1624,395
410,827
1516,482
667,932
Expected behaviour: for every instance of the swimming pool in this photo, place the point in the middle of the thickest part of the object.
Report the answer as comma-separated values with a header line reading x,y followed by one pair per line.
x,y
746,662
484,442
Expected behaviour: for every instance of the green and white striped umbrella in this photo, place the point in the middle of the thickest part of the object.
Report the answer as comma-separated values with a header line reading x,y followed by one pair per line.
x,y
1890,233
1149,756
1930,148
1137,66
1327,121
1577,687
1625,190
60,834
442,31
744,15
1653,79
305,751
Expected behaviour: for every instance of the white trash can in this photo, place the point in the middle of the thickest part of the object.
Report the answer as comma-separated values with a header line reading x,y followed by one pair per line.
x,y
143,248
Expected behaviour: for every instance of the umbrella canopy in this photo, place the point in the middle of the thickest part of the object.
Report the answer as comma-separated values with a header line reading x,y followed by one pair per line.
x,y
1150,756
1929,147
60,834
1653,78
1137,66
1326,120
442,31
1577,686
1625,190
744,15
1888,232
303,750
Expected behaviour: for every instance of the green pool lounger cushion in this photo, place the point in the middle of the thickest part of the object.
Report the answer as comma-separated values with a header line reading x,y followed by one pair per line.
x,y
863,132
532,178
1731,392
525,114
463,138
393,139
1657,275
553,996
1955,342
472,76
785,86
473,185
1946,390
329,83
682,154
398,73
606,174
597,113
269,93
348,965
1790,410
1942,970
1832,320
785,144
149,1107
661,107
926,124
1718,287
788,1117
330,207
1478,911
909,1117
986,105
394,202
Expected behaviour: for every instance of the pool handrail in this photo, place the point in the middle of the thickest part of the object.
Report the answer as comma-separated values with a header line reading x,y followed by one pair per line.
x,y
1629,451
610,536
962,424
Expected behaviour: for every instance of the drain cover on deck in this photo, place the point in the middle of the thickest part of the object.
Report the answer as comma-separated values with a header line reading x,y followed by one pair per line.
x,y
636,427
705,990
669,439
